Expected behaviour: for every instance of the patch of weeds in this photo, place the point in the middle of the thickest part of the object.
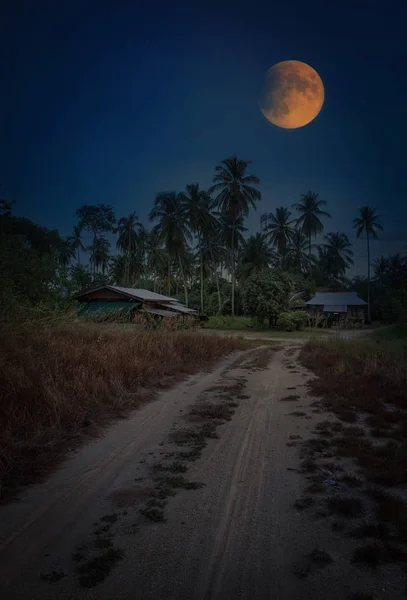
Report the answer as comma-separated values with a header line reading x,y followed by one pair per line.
x,y
295,437
291,398
315,488
370,530
298,413
390,509
110,518
373,554
154,513
320,557
52,576
304,503
349,416
213,411
190,455
354,431
156,502
103,543
101,530
349,507
98,568
179,482
302,571
308,466
175,466
293,387
242,397
292,444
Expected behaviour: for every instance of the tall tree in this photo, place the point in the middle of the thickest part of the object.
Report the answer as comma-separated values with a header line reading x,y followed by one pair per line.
x,y
309,221
280,231
99,256
367,222
297,251
96,218
66,252
76,241
201,221
129,230
170,212
339,253
255,255
235,195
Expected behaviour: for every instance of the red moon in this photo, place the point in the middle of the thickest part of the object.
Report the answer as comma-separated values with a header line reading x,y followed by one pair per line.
x,y
293,94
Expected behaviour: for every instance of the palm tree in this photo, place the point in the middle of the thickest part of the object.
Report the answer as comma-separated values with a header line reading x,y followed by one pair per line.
x,y
201,220
117,269
309,220
235,196
76,241
255,255
170,211
128,229
280,231
339,253
66,253
367,221
155,259
297,251
99,254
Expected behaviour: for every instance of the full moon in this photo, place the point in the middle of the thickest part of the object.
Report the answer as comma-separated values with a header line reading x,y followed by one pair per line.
x,y
292,95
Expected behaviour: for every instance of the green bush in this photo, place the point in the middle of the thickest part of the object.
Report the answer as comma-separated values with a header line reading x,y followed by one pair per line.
x,y
292,320
300,318
286,321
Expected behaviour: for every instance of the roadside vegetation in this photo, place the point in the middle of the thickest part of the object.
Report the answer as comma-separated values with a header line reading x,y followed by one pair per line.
x,y
60,381
356,462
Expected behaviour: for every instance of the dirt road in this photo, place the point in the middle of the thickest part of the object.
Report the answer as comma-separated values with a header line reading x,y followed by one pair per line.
x,y
238,536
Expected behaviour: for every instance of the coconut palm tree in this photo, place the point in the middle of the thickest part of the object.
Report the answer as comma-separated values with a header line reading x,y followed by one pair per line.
x,y
76,241
309,221
255,255
339,253
129,230
280,231
235,195
99,256
66,252
172,229
201,220
367,222
297,251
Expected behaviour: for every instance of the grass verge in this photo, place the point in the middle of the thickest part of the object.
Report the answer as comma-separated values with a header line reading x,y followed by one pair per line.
x,y
60,383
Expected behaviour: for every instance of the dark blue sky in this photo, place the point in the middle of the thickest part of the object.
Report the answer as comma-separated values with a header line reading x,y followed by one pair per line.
x,y
115,101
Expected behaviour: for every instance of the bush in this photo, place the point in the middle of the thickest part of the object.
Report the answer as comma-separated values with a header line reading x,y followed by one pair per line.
x,y
286,321
300,318
292,320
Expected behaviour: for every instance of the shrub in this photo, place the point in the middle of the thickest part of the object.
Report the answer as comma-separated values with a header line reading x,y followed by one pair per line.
x,y
292,320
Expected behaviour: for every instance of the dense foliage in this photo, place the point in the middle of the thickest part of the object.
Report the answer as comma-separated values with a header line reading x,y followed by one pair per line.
x,y
197,250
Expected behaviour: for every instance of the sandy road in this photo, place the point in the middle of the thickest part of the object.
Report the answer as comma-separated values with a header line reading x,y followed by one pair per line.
x,y
236,538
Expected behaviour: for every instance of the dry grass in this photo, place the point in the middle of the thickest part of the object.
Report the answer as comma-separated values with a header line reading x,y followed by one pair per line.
x,y
59,382
364,382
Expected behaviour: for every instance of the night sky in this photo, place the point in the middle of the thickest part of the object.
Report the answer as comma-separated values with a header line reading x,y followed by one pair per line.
x,y
115,101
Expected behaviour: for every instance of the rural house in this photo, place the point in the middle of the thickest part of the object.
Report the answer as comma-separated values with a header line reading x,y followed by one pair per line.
x,y
337,306
112,299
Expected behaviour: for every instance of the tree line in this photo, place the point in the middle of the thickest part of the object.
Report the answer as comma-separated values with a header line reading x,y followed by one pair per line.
x,y
196,243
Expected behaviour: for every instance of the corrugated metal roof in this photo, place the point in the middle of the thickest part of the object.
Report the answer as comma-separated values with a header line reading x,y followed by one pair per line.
x,y
336,299
181,308
137,293
341,308
142,294
161,312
